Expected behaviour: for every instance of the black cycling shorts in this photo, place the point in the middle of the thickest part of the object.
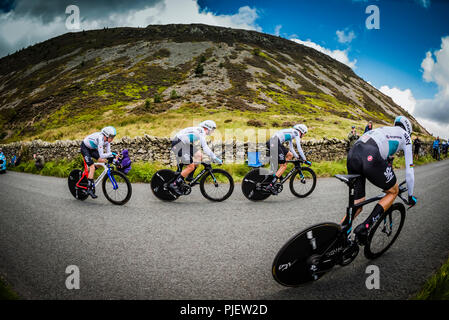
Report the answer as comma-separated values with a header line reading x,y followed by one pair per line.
x,y
282,151
88,154
365,159
183,152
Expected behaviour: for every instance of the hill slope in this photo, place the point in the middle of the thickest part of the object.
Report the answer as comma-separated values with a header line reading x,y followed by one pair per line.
x,y
164,77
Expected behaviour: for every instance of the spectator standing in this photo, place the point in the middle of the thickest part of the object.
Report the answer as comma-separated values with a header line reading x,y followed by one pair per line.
x,y
13,161
2,162
369,126
352,137
436,148
417,146
39,161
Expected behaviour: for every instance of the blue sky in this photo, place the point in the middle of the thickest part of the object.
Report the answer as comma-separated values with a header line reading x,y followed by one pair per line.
x,y
406,58
389,56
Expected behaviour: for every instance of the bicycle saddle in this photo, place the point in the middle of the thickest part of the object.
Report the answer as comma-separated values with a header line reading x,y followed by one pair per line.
x,y
347,178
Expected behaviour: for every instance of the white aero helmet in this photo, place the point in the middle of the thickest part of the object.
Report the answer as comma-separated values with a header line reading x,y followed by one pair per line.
x,y
301,128
209,124
109,132
404,123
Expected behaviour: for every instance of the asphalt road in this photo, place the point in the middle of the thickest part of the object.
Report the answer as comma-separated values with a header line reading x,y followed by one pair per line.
x,y
196,249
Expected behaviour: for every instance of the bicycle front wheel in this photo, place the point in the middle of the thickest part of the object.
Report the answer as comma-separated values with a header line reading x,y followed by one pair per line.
x,y
301,185
385,231
290,266
217,185
117,188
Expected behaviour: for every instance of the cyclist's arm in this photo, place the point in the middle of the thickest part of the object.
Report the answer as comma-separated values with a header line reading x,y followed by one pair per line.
x,y
102,154
409,171
206,148
301,152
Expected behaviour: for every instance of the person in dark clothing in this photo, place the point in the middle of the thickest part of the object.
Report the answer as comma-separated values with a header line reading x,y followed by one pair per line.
x,y
436,149
39,161
369,127
125,162
417,146
352,137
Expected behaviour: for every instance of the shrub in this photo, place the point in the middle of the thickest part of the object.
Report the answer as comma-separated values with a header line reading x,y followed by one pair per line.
x,y
255,123
174,94
157,98
147,105
199,69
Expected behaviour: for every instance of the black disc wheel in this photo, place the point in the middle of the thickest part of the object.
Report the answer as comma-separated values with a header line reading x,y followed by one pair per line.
x,y
74,177
252,184
292,265
159,184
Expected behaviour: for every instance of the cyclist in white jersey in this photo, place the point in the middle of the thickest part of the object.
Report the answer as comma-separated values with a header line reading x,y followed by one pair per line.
x,y
93,147
186,153
369,157
279,154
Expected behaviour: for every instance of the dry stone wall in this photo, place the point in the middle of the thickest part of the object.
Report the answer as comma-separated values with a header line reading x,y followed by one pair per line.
x,y
150,148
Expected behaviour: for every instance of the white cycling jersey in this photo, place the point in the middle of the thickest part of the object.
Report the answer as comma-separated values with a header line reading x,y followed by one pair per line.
x,y
192,134
96,141
289,135
390,140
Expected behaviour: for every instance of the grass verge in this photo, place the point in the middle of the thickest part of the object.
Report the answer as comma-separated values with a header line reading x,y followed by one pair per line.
x,y
143,171
437,286
6,292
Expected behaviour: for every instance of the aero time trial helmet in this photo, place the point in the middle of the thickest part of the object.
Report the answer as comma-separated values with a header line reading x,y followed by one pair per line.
x,y
404,123
301,128
109,132
209,124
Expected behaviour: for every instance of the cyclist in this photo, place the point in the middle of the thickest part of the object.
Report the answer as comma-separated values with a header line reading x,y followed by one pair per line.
x,y
93,146
370,157
283,155
185,151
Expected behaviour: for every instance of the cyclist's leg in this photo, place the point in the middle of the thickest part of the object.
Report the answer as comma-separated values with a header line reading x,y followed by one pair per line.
x,y
88,155
354,164
380,173
283,166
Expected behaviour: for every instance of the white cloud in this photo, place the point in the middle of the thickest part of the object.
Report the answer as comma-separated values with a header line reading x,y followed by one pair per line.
x,y
277,30
433,113
339,55
403,98
345,38
17,32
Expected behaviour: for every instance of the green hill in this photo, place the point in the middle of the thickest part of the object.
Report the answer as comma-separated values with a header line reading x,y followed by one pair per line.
x,y
164,77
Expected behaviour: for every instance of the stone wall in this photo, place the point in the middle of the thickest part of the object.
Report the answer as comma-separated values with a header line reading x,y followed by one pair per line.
x,y
149,148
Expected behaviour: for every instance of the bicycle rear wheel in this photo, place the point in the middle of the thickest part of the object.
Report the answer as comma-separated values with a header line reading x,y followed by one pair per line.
x,y
385,231
302,186
74,177
217,185
119,190
251,181
290,266
159,184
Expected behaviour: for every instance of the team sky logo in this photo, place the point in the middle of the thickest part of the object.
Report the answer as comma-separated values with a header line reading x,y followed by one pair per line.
x,y
389,174
407,139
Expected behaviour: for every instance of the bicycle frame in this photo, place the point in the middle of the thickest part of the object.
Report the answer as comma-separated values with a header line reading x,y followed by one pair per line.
x,y
207,168
352,208
106,171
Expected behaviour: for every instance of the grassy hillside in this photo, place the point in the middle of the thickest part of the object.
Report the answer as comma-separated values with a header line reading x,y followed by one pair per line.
x,y
162,78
